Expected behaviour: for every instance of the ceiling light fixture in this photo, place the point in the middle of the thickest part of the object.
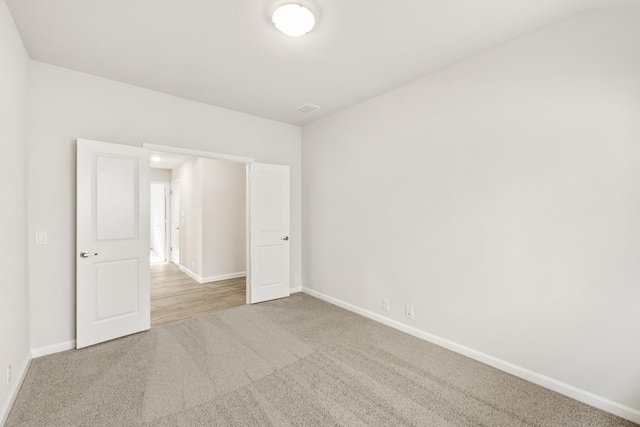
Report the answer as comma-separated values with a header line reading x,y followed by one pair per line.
x,y
293,19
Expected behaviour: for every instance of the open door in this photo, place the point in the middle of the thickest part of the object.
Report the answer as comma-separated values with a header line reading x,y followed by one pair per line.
x,y
112,242
269,228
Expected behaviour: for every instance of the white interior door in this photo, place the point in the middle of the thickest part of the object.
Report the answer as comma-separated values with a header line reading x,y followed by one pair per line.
x,y
269,241
112,242
175,222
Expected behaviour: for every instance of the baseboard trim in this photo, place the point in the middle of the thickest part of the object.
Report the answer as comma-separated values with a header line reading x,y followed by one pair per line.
x,y
295,290
13,392
210,279
51,349
189,273
576,393
223,277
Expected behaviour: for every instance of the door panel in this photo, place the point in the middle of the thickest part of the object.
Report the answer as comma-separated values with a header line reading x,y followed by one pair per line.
x,y
116,179
112,278
116,288
269,198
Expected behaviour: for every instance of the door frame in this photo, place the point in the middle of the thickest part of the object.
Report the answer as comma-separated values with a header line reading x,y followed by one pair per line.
x,y
247,161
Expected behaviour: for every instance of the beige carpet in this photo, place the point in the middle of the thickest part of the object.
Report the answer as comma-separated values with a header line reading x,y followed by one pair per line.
x,y
295,361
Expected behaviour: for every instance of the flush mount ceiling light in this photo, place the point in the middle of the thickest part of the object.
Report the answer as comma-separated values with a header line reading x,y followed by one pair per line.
x,y
293,19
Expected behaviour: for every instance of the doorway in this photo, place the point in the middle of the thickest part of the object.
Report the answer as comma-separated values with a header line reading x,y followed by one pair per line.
x,y
112,271
205,269
158,221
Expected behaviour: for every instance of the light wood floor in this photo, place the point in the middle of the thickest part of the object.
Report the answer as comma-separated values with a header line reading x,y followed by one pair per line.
x,y
176,296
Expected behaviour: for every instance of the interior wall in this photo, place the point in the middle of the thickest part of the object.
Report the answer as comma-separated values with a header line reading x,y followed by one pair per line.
x,y
224,204
499,197
14,311
190,175
213,217
65,105
161,175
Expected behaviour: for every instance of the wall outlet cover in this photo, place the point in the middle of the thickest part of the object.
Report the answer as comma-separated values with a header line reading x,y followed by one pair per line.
x,y
408,311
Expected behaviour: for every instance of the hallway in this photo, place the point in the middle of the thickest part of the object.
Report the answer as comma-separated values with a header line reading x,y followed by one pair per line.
x,y
176,296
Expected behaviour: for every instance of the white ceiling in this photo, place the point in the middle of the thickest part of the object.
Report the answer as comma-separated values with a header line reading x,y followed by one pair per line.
x,y
227,53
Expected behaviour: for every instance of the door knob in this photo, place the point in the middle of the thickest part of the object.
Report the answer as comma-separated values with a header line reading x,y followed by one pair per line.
x,y
285,238
85,254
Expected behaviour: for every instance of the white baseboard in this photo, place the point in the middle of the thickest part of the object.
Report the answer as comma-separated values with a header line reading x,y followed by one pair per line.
x,y
534,377
13,392
210,279
189,273
223,277
51,349
295,290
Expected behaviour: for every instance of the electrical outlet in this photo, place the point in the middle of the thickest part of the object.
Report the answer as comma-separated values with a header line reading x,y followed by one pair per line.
x,y
8,374
408,311
296,279
193,264
385,304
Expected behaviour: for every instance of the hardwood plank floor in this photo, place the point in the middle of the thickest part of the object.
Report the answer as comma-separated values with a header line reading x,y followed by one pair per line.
x,y
176,296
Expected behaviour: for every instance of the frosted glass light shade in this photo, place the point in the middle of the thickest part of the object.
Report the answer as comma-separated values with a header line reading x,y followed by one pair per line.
x,y
293,20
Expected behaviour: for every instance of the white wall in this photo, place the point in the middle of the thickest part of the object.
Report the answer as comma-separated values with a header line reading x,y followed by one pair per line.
x,y
161,175
501,198
14,311
190,175
224,218
213,208
65,105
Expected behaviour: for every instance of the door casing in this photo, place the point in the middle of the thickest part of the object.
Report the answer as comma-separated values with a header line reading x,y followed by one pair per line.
x,y
238,159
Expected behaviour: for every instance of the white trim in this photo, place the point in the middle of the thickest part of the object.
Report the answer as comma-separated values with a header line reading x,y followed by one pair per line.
x,y
534,377
190,273
247,228
51,349
295,290
13,392
197,153
223,277
210,279
210,155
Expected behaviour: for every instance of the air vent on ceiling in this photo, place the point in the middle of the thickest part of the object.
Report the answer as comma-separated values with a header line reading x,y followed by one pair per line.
x,y
308,108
